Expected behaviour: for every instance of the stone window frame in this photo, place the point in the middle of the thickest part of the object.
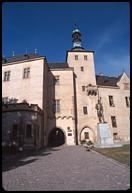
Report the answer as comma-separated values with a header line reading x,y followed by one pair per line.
x,y
85,57
82,68
85,110
26,72
76,57
7,75
83,88
56,106
86,134
111,101
113,121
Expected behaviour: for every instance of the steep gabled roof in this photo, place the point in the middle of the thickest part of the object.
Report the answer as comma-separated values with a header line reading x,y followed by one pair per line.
x,y
58,65
20,58
106,80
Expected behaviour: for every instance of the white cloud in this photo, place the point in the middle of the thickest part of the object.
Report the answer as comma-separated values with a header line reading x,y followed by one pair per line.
x,y
109,34
117,64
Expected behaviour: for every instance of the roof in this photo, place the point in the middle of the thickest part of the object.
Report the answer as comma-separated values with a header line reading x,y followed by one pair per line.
x,y
78,48
106,80
58,65
20,58
76,30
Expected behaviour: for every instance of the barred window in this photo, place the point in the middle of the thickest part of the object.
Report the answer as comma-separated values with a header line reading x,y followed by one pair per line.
x,y
111,101
7,75
26,72
113,120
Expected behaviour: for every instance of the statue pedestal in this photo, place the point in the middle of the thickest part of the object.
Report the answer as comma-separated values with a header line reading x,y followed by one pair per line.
x,y
104,136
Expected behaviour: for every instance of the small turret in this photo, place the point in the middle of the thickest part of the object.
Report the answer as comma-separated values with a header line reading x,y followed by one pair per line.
x,y
76,35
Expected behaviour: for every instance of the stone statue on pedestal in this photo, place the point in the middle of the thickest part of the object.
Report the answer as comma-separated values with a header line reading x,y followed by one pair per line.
x,y
99,108
104,135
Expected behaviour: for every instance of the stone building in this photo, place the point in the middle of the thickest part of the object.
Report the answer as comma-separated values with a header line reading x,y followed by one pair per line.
x,y
67,94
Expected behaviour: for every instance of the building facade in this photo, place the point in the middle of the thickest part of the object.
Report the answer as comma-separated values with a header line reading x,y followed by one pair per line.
x,y
67,94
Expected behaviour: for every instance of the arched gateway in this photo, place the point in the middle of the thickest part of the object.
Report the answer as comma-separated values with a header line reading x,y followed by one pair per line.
x,y
87,134
56,137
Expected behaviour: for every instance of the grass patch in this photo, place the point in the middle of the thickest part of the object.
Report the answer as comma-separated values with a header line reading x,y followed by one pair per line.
x,y
121,154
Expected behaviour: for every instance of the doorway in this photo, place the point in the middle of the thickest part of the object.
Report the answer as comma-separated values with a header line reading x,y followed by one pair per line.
x,y
56,137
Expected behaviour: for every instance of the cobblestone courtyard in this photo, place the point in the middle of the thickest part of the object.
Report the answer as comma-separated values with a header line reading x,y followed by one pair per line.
x,y
64,168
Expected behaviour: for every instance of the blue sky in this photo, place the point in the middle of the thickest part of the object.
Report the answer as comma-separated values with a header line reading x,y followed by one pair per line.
x,y
105,28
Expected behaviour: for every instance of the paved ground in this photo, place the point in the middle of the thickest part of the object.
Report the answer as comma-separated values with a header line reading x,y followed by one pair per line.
x,y
64,168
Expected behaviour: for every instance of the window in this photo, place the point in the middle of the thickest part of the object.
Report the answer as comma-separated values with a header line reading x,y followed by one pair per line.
x,y
111,101
85,110
82,69
76,57
26,72
57,82
127,101
56,106
113,120
7,75
85,57
69,134
83,88
86,135
126,86
28,131
14,132
115,136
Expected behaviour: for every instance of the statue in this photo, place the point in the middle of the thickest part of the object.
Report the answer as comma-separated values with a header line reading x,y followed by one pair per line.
x,y
99,108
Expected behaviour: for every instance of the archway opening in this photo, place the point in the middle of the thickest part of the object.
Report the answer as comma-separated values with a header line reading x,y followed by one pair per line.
x,y
56,138
86,134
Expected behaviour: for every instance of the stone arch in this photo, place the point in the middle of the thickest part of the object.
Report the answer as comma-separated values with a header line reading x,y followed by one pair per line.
x,y
56,137
91,134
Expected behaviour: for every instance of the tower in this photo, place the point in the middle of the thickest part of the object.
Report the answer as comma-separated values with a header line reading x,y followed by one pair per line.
x,y
85,94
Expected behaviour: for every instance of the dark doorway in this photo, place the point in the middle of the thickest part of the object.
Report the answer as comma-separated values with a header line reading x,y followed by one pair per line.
x,y
56,138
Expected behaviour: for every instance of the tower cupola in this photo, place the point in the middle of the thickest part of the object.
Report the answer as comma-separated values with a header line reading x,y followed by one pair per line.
x,y
76,35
